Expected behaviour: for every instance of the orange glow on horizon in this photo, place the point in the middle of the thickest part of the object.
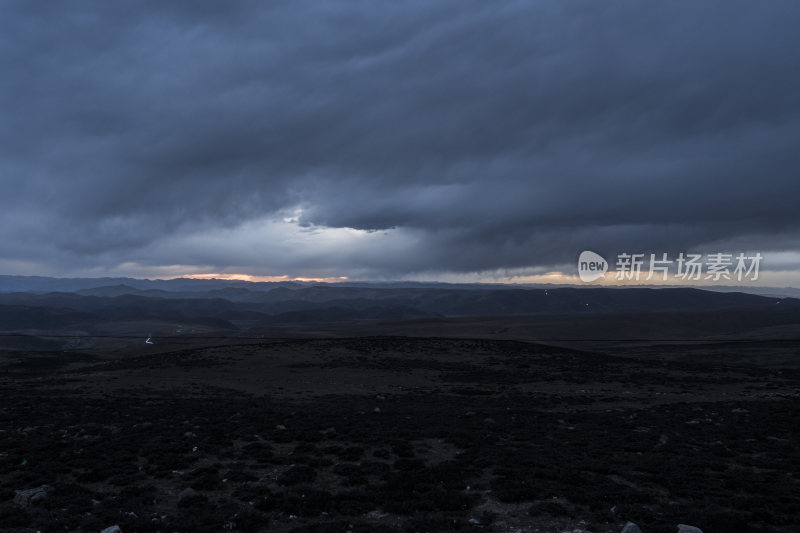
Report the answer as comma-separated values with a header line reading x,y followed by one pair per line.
x,y
249,277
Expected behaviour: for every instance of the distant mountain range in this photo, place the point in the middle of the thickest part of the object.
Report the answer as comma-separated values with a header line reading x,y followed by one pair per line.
x,y
118,286
44,305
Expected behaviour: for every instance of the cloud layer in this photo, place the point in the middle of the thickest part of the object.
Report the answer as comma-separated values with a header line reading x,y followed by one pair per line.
x,y
384,139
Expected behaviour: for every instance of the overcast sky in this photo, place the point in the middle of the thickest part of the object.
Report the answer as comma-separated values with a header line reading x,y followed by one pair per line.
x,y
388,140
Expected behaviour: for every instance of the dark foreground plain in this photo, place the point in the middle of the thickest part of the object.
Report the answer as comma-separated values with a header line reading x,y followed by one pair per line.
x,y
399,434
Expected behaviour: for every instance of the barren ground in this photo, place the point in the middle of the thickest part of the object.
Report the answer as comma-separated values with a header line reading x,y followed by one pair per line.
x,y
397,434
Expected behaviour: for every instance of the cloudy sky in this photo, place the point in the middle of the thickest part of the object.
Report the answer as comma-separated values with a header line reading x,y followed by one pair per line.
x,y
454,140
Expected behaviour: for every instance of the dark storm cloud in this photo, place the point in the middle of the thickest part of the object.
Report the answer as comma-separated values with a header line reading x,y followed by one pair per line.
x,y
496,135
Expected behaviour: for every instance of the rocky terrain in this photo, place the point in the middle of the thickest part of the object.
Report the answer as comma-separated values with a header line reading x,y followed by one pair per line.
x,y
395,434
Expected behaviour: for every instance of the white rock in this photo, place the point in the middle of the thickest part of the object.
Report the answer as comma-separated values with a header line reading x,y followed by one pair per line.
x,y
113,529
683,528
25,498
630,527
187,493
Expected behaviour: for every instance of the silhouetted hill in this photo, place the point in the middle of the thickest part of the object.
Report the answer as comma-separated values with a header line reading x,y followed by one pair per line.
x,y
125,309
344,314
242,304
19,317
